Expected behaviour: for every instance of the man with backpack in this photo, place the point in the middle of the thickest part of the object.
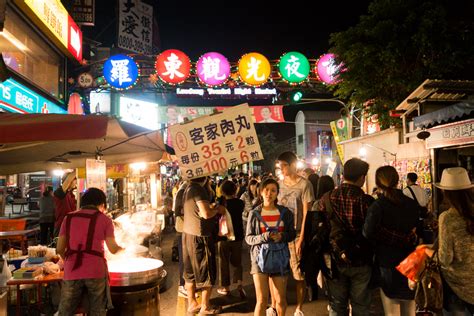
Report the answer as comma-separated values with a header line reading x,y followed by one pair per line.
x,y
415,192
351,254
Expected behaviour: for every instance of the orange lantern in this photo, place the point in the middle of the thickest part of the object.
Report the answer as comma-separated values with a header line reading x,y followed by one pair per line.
x,y
254,69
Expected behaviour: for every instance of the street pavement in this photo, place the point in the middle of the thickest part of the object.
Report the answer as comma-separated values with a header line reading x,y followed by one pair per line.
x,y
173,304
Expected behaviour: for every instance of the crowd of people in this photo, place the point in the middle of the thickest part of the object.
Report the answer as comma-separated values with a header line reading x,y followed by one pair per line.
x,y
299,224
352,240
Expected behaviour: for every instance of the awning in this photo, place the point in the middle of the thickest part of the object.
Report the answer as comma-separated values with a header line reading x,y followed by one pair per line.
x,y
444,115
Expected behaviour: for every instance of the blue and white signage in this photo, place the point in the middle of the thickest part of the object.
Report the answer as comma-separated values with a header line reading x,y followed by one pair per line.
x,y
14,97
120,71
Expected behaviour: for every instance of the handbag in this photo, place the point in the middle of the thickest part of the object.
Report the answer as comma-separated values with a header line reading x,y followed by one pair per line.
x,y
429,292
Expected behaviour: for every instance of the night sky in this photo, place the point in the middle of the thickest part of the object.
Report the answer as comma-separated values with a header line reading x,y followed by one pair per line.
x,y
237,27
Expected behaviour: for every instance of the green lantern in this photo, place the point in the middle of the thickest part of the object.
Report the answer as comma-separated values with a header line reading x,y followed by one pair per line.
x,y
294,67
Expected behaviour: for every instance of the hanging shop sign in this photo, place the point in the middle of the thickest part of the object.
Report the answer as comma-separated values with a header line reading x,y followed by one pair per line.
x,y
135,26
120,71
458,133
82,11
268,114
139,112
294,67
14,97
173,66
215,143
254,69
260,113
340,131
327,69
53,18
96,174
213,69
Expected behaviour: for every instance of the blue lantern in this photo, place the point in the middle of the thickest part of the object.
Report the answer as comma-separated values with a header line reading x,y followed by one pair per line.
x,y
120,71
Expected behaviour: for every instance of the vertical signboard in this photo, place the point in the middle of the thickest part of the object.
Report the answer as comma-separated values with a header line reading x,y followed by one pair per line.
x,y
82,11
135,29
96,174
215,143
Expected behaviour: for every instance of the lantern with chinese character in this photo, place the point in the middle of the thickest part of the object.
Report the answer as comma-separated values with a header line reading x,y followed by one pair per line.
x,y
213,69
173,66
294,67
121,71
327,70
254,69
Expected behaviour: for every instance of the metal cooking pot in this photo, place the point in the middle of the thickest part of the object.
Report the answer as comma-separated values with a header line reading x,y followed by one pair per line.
x,y
135,271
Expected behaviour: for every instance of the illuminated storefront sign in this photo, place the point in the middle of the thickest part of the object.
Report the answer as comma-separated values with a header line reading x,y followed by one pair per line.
x,y
254,69
294,67
138,112
173,66
120,71
213,69
15,97
326,69
53,16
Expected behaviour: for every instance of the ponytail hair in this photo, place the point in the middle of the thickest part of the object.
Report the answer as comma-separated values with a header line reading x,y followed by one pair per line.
x,y
463,202
386,179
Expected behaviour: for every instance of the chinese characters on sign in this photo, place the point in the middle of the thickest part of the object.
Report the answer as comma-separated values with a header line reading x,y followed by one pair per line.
x,y
254,69
215,143
82,11
451,134
135,26
96,175
120,71
173,66
213,69
294,67
326,69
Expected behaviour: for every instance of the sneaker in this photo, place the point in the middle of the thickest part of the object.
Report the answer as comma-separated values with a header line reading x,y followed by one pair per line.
x,y
271,311
299,313
182,291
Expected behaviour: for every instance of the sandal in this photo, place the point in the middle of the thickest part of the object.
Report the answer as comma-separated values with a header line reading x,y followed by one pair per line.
x,y
243,294
223,291
195,310
212,310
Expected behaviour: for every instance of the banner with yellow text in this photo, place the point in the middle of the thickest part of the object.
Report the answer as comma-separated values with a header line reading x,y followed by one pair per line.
x,y
214,143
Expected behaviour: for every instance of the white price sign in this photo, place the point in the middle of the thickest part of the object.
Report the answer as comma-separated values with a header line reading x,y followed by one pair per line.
x,y
214,143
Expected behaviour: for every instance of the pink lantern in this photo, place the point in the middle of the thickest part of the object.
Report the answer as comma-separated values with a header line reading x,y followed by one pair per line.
x,y
327,70
213,69
75,104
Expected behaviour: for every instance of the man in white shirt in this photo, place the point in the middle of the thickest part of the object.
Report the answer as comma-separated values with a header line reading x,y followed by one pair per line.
x,y
419,192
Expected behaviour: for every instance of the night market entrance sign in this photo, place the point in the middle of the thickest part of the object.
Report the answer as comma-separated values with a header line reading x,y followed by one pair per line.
x,y
213,70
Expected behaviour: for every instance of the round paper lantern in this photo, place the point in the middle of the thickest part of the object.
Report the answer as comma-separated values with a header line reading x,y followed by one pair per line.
x,y
120,71
294,67
326,69
213,69
254,69
173,66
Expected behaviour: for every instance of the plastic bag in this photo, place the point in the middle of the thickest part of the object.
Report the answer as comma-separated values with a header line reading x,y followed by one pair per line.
x,y
223,229
412,266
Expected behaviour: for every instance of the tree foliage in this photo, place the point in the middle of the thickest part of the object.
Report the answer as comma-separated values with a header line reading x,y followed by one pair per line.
x,y
398,45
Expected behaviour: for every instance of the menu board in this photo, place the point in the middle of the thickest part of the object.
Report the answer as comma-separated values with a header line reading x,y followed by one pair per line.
x,y
422,167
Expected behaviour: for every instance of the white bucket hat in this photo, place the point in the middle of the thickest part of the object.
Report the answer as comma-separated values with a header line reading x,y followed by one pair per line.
x,y
454,179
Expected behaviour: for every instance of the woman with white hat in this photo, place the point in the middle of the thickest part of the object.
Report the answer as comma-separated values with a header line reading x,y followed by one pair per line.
x,y
456,242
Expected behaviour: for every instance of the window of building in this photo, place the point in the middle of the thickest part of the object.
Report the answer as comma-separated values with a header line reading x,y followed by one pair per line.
x,y
25,52
300,139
